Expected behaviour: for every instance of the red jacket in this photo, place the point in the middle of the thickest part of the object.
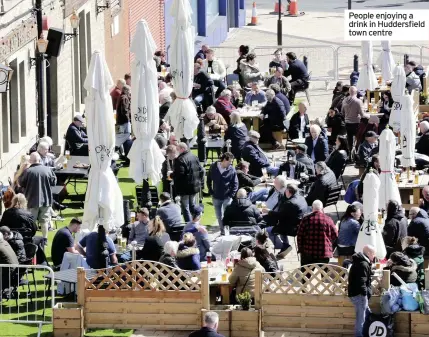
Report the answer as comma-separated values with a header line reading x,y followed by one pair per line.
x,y
316,235
224,107
115,94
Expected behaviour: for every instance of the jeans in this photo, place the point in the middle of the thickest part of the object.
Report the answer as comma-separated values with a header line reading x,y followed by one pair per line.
x,y
259,195
123,134
187,203
272,170
43,215
198,99
220,87
351,129
280,241
362,310
219,206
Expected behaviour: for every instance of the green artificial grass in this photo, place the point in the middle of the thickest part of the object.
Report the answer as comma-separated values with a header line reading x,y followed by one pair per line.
x,y
75,209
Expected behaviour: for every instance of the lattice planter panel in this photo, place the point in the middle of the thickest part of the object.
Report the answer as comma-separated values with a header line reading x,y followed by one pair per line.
x,y
67,320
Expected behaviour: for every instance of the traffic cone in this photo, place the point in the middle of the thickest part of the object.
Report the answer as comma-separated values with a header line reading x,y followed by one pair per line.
x,y
254,20
277,8
293,8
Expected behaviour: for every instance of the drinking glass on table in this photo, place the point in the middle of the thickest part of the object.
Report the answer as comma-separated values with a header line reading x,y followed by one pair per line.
x,y
264,172
255,103
133,217
67,153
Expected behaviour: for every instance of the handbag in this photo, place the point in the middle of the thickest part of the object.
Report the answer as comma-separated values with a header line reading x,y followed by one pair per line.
x,y
233,295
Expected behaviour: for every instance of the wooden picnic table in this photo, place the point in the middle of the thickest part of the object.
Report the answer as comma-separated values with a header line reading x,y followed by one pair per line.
x,y
377,93
250,114
408,189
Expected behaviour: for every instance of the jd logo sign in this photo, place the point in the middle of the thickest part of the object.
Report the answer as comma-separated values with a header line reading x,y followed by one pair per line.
x,y
377,329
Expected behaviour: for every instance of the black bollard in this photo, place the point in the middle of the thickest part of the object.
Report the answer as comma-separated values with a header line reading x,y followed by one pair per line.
x,y
146,200
305,60
356,63
406,59
201,141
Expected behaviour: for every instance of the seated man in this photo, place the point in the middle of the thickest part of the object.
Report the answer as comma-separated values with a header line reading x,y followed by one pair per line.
x,y
7,256
257,95
325,179
139,230
202,82
46,158
241,209
165,101
64,242
16,241
216,69
253,154
273,116
292,168
76,138
280,80
169,212
368,148
276,193
214,121
199,232
248,182
285,220
302,157
298,73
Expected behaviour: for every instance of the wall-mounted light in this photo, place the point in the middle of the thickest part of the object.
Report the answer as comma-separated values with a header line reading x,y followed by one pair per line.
x,y
74,22
5,77
42,46
102,8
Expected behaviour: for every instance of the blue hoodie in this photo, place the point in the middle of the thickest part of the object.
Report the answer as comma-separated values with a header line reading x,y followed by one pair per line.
x,y
222,185
202,239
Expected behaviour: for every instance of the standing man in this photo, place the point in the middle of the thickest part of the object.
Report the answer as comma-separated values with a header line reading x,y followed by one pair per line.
x,y
419,226
116,92
64,242
360,286
216,70
352,110
187,176
37,181
222,183
316,234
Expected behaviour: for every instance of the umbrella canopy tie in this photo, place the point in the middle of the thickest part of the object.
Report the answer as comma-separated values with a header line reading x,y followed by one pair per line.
x,y
385,171
184,98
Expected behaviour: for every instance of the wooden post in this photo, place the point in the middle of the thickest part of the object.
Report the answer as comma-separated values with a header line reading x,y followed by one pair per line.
x,y
427,278
385,280
205,289
81,286
258,289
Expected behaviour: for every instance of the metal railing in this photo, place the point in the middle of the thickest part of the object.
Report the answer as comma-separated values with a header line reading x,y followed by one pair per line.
x,y
22,299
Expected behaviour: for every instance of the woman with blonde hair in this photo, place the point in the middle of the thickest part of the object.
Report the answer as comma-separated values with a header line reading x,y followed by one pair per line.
x,y
188,254
154,245
19,219
23,165
237,133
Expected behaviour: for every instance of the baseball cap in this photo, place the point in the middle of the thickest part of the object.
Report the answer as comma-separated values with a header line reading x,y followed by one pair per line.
x,y
254,134
197,211
290,153
370,134
78,118
302,147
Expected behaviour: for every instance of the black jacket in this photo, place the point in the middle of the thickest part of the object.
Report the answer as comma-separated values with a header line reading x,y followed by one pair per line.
x,y
289,215
319,188
256,157
187,174
297,70
153,247
419,228
241,210
337,126
270,265
238,136
168,260
394,231
17,245
75,137
299,168
163,109
306,160
123,110
337,102
295,125
336,161
360,276
422,145
365,152
204,80
406,269
205,332
321,150
247,181
20,220
276,114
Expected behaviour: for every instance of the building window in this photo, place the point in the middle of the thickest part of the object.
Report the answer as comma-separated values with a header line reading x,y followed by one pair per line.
x,y
194,17
23,108
15,125
212,7
114,27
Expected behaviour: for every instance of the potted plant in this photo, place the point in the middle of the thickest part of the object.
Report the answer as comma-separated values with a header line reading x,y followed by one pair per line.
x,y
424,99
244,299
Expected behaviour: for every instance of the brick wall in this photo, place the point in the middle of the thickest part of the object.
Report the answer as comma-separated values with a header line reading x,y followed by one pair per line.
x,y
153,13
118,46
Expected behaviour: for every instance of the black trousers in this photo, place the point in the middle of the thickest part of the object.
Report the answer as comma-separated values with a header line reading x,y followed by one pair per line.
x,y
298,85
351,129
220,87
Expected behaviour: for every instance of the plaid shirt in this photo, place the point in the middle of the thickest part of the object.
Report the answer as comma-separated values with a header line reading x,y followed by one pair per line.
x,y
316,235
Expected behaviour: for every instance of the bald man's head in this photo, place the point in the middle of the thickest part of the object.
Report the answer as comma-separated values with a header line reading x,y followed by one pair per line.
x,y
35,158
426,192
353,91
369,252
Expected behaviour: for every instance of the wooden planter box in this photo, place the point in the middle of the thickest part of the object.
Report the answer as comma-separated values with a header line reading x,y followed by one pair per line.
x,y
234,322
424,108
68,320
419,325
402,324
